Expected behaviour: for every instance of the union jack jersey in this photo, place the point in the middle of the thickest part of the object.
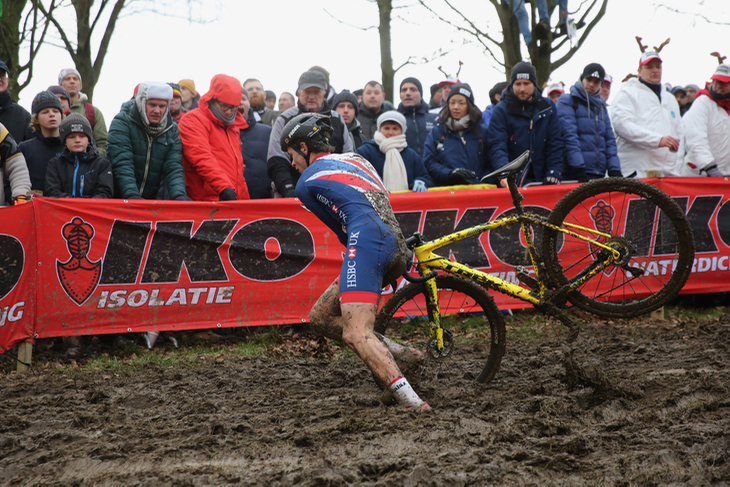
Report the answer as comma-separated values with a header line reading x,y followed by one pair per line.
x,y
338,189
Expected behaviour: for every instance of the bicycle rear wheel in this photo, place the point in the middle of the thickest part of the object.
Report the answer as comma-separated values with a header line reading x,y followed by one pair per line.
x,y
647,227
473,325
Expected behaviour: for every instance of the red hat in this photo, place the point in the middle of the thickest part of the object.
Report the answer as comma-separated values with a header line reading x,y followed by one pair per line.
x,y
448,81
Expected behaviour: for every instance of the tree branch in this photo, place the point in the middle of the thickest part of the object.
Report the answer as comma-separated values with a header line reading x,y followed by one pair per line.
x,y
599,15
349,25
104,45
694,14
49,15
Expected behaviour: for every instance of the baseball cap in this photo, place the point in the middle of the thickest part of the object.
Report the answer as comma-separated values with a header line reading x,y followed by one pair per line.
x,y
648,56
4,67
554,87
722,73
448,81
678,88
608,78
312,78
593,70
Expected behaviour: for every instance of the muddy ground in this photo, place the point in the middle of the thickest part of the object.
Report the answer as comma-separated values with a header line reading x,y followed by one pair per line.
x,y
627,404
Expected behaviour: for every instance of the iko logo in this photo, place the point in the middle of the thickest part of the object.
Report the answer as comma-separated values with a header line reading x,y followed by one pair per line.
x,y
78,276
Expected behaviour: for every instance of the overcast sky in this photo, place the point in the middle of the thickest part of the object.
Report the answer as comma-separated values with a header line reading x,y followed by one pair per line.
x,y
277,40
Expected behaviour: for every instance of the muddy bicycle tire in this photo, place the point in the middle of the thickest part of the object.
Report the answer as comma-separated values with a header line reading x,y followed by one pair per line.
x,y
649,228
454,293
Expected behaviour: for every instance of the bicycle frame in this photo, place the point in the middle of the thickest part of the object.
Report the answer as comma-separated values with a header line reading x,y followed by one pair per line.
x,y
428,260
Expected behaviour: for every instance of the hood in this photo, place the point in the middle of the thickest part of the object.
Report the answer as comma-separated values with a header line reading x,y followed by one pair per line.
x,y
223,88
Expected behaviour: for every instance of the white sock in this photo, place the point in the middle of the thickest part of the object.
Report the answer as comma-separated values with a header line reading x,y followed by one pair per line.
x,y
404,393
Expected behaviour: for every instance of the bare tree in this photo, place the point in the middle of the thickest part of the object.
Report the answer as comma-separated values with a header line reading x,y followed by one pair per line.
x,y
93,16
503,45
21,26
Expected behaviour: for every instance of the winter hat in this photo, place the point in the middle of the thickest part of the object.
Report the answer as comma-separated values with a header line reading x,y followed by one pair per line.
x,y
462,89
497,90
65,72
4,67
312,79
159,91
554,87
45,99
189,84
74,124
415,82
245,92
59,90
722,73
270,95
434,89
678,88
175,89
357,92
523,70
593,70
344,96
392,116
694,87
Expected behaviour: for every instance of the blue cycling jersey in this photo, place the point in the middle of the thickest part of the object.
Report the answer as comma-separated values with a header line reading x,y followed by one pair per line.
x,y
340,189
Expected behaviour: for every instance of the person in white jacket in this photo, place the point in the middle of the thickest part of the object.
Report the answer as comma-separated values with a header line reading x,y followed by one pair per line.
x,y
647,123
707,126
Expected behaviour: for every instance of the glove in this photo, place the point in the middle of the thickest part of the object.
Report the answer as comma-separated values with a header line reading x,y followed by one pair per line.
x,y
290,193
550,180
712,171
228,194
615,174
419,186
183,197
580,175
461,176
135,197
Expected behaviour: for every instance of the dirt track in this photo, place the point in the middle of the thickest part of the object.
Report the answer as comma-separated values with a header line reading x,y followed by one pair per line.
x,y
642,405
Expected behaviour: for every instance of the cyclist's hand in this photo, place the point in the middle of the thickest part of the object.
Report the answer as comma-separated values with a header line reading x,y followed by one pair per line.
x,y
419,186
461,176
669,142
615,174
228,194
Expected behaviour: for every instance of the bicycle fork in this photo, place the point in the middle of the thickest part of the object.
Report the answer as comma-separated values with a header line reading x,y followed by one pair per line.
x,y
440,342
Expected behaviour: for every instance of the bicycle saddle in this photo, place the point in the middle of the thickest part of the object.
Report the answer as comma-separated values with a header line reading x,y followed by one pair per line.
x,y
512,168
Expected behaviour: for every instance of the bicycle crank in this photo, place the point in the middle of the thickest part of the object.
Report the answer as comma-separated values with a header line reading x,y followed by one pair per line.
x,y
433,347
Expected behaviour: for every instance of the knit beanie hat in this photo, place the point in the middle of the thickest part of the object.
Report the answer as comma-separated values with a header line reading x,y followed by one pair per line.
x,y
159,91
523,70
189,84
415,82
344,96
245,92
462,89
65,72
593,70
45,99
175,89
73,124
59,90
393,116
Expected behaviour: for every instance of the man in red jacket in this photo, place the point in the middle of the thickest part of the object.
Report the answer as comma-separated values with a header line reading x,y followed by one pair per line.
x,y
211,144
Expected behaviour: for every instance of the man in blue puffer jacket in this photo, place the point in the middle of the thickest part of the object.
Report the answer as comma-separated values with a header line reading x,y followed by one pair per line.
x,y
524,120
590,145
254,148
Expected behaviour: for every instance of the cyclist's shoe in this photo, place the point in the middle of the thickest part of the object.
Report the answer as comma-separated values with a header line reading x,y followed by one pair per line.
x,y
421,408
388,398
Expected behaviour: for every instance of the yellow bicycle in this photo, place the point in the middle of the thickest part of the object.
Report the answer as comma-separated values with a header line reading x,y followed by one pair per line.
x,y
638,257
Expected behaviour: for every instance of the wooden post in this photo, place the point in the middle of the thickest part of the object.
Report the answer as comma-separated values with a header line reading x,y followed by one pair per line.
x,y
25,352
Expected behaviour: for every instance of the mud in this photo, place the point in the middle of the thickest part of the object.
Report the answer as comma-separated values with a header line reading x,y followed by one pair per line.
x,y
627,405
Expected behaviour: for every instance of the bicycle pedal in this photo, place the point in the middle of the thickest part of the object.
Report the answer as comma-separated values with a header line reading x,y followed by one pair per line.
x,y
527,280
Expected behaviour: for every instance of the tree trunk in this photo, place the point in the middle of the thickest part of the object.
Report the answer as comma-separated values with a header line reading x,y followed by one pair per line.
x,y
511,30
386,58
10,41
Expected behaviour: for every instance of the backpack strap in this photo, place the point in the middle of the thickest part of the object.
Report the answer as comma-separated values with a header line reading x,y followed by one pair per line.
x,y
90,116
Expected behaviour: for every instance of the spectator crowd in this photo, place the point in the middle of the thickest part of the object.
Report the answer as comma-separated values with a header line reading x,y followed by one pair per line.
x,y
170,142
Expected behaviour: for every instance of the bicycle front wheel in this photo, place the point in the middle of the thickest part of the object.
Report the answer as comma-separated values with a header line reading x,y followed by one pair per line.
x,y
474,329
648,228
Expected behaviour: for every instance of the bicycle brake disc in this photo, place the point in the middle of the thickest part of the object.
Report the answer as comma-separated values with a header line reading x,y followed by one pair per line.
x,y
433,349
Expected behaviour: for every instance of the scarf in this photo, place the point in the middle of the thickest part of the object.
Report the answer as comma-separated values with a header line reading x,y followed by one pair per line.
x,y
219,115
458,125
394,171
722,100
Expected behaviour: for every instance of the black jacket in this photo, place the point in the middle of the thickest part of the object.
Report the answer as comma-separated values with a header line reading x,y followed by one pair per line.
x,y
79,175
38,151
254,146
419,122
15,118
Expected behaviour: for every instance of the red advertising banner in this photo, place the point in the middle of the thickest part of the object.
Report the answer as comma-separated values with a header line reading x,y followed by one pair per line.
x,y
78,267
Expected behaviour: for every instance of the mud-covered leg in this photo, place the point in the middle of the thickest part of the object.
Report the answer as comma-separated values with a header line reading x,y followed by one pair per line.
x,y
326,315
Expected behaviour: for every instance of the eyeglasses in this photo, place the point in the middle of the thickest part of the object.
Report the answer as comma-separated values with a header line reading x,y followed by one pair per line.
x,y
3,75
225,107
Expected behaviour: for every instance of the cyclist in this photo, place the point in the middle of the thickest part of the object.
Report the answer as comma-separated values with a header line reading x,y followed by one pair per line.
x,y
345,192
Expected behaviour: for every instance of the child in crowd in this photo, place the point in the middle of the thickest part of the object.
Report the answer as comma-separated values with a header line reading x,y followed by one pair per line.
x,y
79,171
46,121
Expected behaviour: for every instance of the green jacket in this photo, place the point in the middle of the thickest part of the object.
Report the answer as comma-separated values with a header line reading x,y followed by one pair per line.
x,y
99,125
141,163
